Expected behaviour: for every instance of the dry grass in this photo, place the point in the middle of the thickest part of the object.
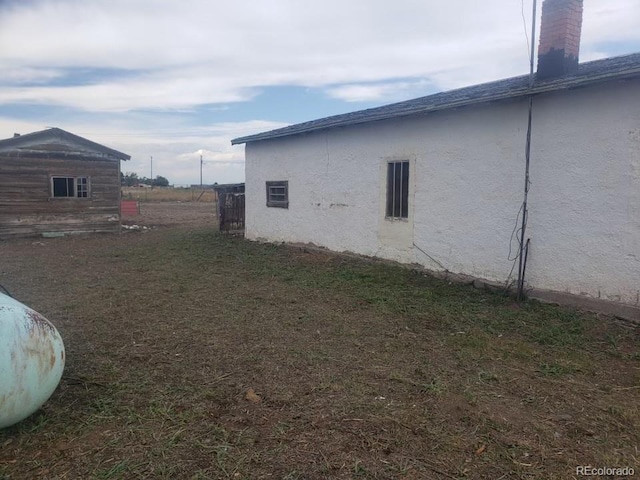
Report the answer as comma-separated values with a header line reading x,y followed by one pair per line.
x,y
362,369
168,194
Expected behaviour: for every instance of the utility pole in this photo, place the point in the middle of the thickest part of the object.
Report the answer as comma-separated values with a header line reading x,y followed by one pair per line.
x,y
152,168
201,162
524,244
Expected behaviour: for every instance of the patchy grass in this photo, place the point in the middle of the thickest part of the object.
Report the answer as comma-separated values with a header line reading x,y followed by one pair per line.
x,y
363,370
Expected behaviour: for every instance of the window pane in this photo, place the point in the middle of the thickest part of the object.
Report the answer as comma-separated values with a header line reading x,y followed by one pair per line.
x,y
63,187
404,213
70,187
397,189
389,189
82,187
278,194
59,187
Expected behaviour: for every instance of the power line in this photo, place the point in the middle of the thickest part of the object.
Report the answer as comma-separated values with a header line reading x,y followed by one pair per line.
x,y
526,34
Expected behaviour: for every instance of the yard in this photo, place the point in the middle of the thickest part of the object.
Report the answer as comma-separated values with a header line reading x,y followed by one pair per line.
x,y
195,355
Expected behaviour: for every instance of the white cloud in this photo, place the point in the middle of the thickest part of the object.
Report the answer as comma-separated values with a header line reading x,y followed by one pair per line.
x,y
21,75
611,21
145,92
375,92
163,55
214,51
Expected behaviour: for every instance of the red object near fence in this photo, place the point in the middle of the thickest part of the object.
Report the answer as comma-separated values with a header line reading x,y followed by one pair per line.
x,y
129,208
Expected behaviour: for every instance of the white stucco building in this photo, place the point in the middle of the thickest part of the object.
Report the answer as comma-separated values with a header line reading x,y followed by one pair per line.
x,y
438,181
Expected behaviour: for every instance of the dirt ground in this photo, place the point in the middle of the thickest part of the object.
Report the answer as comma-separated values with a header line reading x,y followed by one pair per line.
x,y
174,214
197,355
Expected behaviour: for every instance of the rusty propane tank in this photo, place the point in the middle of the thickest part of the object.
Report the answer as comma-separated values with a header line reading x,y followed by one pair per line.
x,y
31,360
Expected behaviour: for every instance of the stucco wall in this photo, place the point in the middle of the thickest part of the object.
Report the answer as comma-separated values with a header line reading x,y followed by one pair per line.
x,y
466,180
585,197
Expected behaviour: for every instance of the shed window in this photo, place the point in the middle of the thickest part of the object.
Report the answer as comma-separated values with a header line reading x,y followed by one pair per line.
x,y
398,189
70,187
278,194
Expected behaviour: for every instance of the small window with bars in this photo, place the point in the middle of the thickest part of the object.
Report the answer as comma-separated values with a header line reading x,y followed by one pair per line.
x,y
278,194
70,187
398,189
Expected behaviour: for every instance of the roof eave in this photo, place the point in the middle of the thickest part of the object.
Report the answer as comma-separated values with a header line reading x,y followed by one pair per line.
x,y
549,86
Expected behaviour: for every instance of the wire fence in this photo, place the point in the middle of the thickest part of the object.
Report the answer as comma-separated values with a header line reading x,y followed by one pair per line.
x,y
168,194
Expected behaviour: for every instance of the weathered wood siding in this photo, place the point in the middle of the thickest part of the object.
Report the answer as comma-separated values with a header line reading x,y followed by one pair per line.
x,y
26,204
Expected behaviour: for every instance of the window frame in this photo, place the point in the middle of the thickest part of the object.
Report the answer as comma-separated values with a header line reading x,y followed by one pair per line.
x,y
280,203
82,181
398,189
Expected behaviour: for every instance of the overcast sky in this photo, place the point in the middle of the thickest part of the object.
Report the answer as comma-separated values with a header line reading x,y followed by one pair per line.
x,y
176,79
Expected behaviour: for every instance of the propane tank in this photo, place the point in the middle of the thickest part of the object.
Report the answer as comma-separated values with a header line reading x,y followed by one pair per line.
x,y
31,360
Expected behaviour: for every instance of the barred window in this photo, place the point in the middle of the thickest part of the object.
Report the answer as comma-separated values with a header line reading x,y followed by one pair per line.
x,y
278,194
398,189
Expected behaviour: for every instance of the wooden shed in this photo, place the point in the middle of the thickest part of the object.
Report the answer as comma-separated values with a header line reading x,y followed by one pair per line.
x,y
54,183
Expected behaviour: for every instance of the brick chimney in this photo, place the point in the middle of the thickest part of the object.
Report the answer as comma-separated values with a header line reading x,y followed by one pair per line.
x,y
559,38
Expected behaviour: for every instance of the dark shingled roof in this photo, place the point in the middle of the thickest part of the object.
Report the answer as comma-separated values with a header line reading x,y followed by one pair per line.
x,y
591,72
36,141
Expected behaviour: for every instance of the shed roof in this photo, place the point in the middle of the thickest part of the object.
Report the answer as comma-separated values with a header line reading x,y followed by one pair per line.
x,y
228,185
59,141
612,68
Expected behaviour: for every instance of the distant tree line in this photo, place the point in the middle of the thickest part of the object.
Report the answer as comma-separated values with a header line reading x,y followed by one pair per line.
x,y
131,179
